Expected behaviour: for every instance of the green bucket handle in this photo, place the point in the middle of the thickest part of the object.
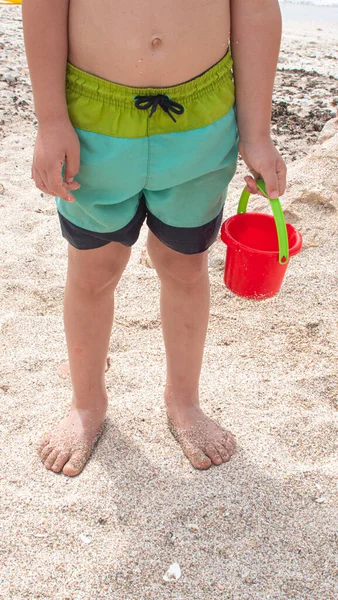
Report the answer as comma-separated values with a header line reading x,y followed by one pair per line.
x,y
278,214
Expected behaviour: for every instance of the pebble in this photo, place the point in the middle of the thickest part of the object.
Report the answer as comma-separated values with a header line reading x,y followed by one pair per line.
x,y
173,573
9,78
192,527
320,500
217,263
85,539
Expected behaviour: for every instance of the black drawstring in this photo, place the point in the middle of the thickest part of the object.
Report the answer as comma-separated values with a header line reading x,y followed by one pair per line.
x,y
169,106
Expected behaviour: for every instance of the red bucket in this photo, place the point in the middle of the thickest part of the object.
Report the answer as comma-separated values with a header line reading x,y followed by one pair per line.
x,y
258,250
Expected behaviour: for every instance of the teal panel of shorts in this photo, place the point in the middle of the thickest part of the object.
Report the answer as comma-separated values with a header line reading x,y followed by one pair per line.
x,y
183,176
169,155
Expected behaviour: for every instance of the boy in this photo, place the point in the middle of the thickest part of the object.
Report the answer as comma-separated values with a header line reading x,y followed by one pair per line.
x,y
147,95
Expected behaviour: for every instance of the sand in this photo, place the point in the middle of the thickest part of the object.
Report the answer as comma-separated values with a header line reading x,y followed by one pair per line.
x,y
263,526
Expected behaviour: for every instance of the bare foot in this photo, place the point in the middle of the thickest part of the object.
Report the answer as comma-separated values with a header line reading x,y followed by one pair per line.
x,y
203,441
68,447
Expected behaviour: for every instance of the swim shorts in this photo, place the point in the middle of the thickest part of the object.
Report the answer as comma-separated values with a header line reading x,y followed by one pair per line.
x,y
165,155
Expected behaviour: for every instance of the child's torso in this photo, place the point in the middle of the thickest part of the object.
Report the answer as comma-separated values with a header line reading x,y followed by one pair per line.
x,y
145,43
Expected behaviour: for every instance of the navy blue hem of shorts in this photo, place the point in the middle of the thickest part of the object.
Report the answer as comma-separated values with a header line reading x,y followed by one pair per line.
x,y
83,239
186,240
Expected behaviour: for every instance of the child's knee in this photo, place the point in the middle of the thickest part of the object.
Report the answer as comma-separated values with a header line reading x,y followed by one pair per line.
x,y
94,275
187,270
92,284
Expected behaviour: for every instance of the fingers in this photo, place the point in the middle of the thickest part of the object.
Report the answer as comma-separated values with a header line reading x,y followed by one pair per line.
x,y
274,177
72,166
264,161
40,179
251,185
57,186
51,183
57,144
269,175
281,176
74,185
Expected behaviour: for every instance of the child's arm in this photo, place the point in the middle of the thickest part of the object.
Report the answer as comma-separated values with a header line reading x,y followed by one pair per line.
x,y
46,40
255,41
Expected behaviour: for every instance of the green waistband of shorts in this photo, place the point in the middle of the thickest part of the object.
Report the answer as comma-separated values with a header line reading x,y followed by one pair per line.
x,y
90,101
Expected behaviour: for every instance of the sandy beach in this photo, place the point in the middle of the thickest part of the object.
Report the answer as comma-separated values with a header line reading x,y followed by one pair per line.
x,y
263,526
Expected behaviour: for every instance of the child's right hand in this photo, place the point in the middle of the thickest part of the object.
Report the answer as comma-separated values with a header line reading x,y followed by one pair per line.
x,y
56,144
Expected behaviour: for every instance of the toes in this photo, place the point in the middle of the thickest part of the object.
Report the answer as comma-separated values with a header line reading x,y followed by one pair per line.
x,y
75,465
45,452
198,459
225,454
228,441
60,462
213,454
44,442
50,460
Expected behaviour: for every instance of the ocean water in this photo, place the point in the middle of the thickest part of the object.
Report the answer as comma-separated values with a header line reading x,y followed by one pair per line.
x,y
315,2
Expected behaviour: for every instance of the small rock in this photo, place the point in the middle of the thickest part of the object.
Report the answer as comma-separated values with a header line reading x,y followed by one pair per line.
x,y
2,189
4,388
217,262
320,500
192,527
312,326
9,78
85,539
173,573
64,370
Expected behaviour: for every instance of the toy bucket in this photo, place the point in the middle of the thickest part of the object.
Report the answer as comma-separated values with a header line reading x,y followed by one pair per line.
x,y
259,248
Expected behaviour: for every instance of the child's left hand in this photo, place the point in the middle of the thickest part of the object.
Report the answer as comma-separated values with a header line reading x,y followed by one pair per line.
x,y
265,162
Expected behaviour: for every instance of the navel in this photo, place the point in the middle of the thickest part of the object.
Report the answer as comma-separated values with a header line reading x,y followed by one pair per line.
x,y
156,42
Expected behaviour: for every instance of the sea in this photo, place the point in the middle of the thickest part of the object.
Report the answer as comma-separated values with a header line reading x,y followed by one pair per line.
x,y
310,10
315,2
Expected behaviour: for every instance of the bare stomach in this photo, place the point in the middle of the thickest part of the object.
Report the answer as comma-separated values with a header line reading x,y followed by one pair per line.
x,y
147,43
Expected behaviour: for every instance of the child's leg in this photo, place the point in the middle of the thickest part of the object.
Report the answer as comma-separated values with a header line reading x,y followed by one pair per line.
x,y
185,312
88,313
